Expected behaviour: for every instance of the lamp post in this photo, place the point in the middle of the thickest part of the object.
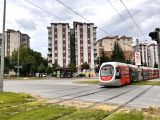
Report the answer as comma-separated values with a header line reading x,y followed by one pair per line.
x,y
2,49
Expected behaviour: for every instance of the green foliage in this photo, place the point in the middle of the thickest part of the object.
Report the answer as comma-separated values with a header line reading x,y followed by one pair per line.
x,y
51,112
14,106
128,61
29,60
133,115
7,65
49,70
87,82
72,66
117,54
102,59
85,66
147,83
55,66
41,68
86,115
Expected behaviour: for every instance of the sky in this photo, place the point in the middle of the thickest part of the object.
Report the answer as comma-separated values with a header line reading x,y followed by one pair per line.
x,y
22,15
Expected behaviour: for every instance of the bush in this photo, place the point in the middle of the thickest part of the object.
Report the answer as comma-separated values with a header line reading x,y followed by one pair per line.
x,y
81,75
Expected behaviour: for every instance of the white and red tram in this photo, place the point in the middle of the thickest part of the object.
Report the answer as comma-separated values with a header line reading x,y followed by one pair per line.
x,y
119,74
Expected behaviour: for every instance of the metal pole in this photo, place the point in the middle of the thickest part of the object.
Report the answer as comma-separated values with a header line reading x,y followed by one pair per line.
x,y
137,41
18,63
158,47
2,48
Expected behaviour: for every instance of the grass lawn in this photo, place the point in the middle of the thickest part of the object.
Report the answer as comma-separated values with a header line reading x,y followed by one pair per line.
x,y
147,83
15,106
87,82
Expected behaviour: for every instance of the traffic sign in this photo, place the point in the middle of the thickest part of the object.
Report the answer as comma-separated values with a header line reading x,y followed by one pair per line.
x,y
18,67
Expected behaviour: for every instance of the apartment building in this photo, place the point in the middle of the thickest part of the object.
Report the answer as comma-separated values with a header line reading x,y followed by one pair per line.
x,y
59,44
13,39
76,45
144,53
106,45
85,43
152,54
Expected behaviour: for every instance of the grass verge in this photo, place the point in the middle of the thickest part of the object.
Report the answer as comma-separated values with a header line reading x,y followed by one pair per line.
x,y
87,82
147,83
15,106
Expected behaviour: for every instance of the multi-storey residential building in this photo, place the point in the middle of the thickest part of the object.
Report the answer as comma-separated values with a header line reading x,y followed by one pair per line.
x,y
59,44
107,45
149,54
72,47
144,53
152,54
13,39
85,43
25,40
76,45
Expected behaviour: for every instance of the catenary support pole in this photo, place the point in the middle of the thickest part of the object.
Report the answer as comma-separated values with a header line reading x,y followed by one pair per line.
x,y
2,49
158,47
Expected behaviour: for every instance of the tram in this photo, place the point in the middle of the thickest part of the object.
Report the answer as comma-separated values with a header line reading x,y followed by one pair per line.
x,y
120,74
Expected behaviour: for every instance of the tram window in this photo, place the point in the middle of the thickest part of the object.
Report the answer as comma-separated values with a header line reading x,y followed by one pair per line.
x,y
117,72
107,70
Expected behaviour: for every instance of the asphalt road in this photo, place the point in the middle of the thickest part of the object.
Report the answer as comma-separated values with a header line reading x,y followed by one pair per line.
x,y
64,89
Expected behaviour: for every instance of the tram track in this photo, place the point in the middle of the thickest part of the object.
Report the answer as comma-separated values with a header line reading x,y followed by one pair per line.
x,y
113,97
129,101
116,96
101,101
61,90
90,93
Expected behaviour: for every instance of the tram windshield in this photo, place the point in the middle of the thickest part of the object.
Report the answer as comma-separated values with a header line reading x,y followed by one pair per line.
x,y
107,70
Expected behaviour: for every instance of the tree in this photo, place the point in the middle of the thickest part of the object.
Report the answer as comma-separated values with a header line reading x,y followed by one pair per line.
x,y
72,66
49,70
128,61
55,66
117,53
85,65
7,65
29,60
42,68
102,59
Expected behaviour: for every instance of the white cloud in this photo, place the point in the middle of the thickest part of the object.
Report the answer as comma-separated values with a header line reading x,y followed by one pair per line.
x,y
33,21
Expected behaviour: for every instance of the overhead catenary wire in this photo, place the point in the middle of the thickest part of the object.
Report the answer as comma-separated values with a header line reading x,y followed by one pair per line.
x,y
75,13
44,10
122,17
133,19
88,20
82,16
